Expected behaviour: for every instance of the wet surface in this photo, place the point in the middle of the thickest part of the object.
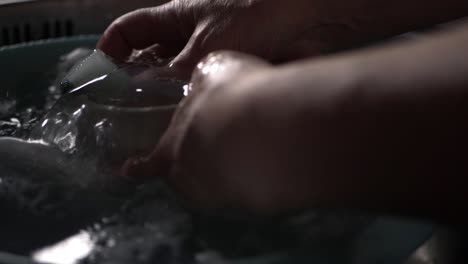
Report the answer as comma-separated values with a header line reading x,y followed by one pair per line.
x,y
138,224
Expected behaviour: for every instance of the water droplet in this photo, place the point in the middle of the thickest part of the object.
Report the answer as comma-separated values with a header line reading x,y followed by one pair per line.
x,y
187,89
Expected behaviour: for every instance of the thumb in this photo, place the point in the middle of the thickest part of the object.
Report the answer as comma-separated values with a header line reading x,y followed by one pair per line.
x,y
188,57
221,67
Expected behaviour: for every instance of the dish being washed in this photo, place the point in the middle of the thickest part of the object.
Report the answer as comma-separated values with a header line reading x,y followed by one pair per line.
x,y
111,112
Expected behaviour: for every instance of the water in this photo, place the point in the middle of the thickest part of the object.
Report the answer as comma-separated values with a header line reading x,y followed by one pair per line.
x,y
98,125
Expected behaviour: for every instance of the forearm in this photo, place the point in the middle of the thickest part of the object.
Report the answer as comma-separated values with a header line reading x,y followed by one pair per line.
x,y
383,129
343,24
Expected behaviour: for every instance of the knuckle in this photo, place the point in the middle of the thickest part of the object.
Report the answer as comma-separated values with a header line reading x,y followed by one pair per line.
x,y
208,68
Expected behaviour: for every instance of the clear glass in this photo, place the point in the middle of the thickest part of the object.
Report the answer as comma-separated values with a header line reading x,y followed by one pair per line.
x,y
112,117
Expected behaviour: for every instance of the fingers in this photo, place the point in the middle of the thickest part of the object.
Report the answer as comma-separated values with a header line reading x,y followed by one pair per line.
x,y
140,29
187,157
216,69
160,162
224,66
155,55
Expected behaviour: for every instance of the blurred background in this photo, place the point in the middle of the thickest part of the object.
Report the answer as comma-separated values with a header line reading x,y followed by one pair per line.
x,y
27,20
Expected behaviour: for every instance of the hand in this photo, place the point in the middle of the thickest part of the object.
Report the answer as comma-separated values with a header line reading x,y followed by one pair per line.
x,y
192,29
336,132
210,154
272,29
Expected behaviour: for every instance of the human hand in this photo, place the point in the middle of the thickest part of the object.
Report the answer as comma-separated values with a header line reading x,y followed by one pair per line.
x,y
189,30
209,154
271,29
340,131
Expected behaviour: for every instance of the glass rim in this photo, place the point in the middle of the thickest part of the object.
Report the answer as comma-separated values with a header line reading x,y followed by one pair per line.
x,y
135,109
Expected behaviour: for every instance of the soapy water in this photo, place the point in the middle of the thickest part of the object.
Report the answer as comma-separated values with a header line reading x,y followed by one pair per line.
x,y
102,120
97,124
109,117
17,118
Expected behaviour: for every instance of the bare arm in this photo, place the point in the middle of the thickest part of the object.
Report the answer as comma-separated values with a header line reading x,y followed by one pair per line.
x,y
339,24
275,30
381,129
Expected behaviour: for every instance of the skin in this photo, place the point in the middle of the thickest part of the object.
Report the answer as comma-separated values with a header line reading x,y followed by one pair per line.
x,y
379,129
337,132
189,30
